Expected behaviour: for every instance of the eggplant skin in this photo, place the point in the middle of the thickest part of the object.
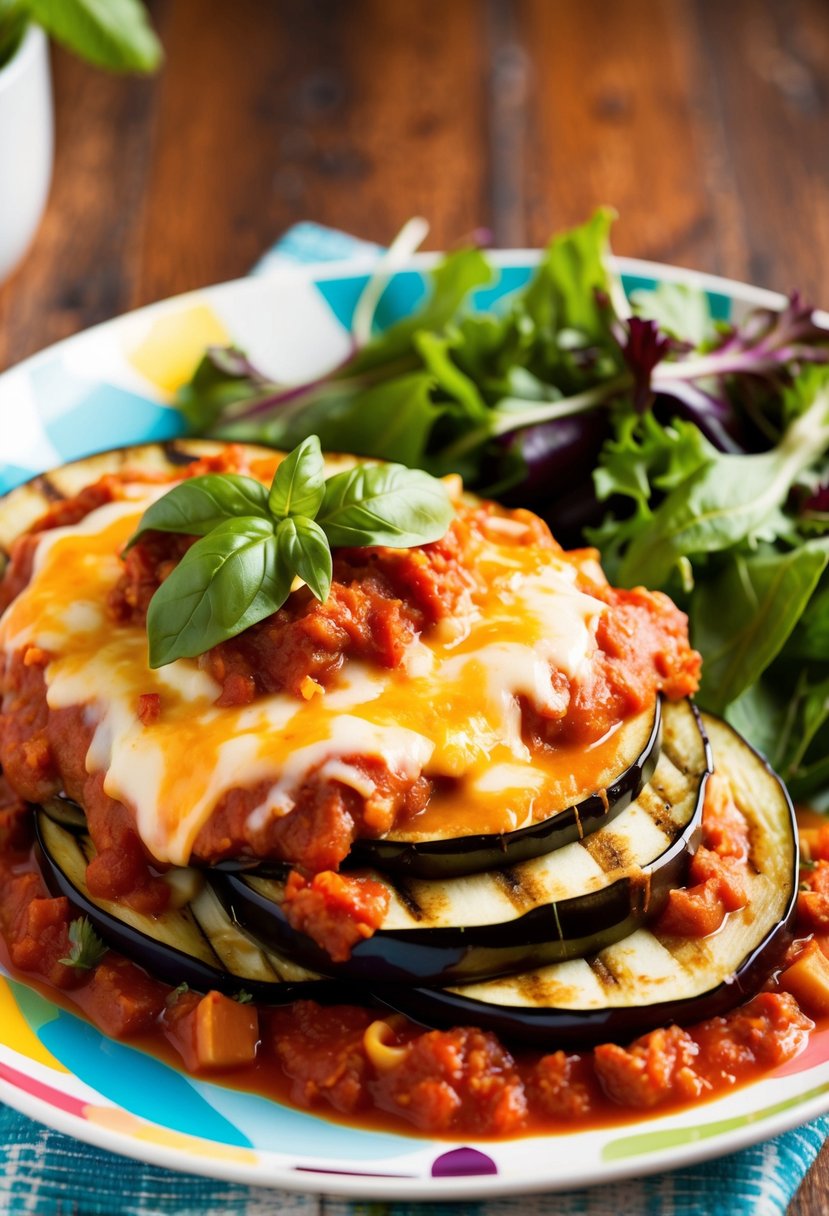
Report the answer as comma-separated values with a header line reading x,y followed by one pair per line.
x,y
456,856
548,933
552,1027
159,958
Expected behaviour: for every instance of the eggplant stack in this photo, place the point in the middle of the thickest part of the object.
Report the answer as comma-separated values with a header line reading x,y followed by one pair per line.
x,y
548,938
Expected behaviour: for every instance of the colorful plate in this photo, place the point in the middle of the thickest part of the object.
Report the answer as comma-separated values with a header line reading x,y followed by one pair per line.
x,y
111,386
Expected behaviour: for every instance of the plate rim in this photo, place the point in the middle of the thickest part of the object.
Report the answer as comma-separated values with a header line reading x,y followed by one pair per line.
x,y
375,1187
363,263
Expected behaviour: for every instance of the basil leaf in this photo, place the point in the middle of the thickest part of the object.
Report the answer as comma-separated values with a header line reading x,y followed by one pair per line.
x,y
742,617
196,506
114,34
302,547
226,582
384,505
299,482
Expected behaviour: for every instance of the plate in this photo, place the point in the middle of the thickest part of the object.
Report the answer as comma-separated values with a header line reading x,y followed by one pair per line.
x,y
113,385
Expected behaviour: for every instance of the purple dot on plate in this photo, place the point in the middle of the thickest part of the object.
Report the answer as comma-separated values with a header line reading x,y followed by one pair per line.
x,y
461,1163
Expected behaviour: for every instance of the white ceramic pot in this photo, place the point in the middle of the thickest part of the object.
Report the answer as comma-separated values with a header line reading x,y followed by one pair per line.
x,y
26,144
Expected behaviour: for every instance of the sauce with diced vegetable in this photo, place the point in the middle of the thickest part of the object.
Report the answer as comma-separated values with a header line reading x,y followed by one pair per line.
x,y
356,1063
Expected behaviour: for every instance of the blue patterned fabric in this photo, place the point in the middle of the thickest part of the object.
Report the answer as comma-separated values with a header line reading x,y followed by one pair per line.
x,y
49,1174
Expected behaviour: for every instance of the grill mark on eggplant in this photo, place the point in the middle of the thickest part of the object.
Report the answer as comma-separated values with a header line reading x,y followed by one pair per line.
x,y
178,455
407,899
520,892
602,972
607,851
662,813
50,490
537,989
689,953
645,978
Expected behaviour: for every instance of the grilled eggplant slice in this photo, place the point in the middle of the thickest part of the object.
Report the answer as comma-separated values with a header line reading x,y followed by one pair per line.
x,y
645,981
21,507
415,853
559,906
196,943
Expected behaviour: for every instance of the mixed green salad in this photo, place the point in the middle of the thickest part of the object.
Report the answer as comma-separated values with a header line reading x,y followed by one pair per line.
x,y
694,453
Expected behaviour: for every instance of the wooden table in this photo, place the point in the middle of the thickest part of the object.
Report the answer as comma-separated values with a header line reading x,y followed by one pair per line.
x,y
705,123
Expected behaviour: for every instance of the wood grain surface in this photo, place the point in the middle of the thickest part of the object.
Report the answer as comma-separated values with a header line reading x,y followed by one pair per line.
x,y
704,122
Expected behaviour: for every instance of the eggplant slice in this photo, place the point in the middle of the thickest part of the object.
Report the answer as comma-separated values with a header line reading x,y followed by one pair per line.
x,y
645,981
559,906
196,943
21,507
412,853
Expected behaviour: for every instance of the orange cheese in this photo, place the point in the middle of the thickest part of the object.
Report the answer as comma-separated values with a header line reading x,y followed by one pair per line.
x,y
452,711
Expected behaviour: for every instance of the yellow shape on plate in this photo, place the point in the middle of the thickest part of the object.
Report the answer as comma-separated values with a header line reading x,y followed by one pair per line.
x,y
170,352
122,1122
18,1034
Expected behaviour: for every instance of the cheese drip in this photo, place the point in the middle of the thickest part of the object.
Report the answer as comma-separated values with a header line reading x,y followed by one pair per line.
x,y
451,711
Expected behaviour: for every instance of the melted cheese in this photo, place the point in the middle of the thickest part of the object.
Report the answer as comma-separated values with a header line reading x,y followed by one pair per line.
x,y
451,711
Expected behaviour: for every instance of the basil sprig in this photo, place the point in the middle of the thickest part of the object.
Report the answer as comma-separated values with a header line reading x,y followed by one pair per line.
x,y
255,541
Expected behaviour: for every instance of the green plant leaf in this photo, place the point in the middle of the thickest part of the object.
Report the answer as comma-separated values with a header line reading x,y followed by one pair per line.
x,y
113,34
436,352
13,22
810,640
392,420
742,616
572,285
222,378
728,500
683,312
299,482
452,281
86,949
302,547
226,582
758,714
384,505
196,506
805,763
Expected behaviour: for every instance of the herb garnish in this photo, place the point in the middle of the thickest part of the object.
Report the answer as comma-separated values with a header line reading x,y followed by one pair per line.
x,y
255,542
86,948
